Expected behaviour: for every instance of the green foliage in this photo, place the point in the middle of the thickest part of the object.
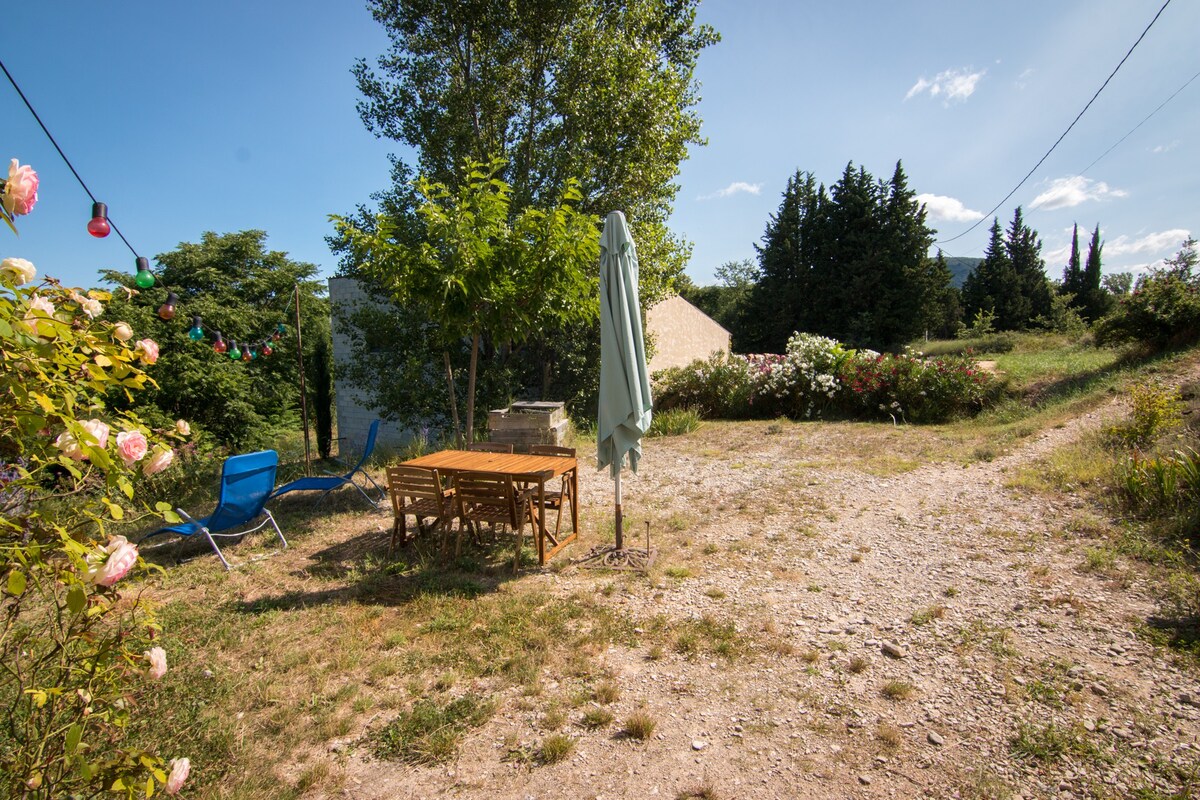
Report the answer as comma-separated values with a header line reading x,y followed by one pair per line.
x,y
674,422
717,388
1010,282
849,263
482,272
556,88
1154,410
1162,485
238,287
1164,308
75,651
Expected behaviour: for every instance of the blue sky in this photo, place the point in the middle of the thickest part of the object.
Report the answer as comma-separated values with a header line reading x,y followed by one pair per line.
x,y
228,115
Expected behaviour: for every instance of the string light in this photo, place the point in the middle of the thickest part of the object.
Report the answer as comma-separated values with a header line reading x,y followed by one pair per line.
x,y
99,225
219,345
167,309
144,278
197,331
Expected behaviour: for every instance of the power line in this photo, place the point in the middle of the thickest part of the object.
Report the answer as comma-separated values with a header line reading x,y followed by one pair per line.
x,y
1064,133
1140,124
66,160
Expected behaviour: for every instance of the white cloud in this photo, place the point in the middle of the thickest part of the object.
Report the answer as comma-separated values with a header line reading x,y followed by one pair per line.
x,y
1165,148
1070,192
1160,242
737,187
947,208
1023,78
952,85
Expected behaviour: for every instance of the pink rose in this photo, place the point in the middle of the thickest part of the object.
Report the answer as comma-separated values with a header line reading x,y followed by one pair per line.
x,y
21,270
132,446
20,193
180,767
162,458
69,447
158,663
97,430
120,556
122,332
183,427
148,349
39,318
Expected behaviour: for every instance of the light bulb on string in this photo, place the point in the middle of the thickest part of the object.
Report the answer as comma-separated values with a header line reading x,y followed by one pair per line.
x,y
279,329
219,346
246,352
234,352
144,278
197,332
253,350
267,349
167,309
99,226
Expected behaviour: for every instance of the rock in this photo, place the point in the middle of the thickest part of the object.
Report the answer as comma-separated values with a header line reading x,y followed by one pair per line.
x,y
892,649
699,745
1099,689
865,780
935,738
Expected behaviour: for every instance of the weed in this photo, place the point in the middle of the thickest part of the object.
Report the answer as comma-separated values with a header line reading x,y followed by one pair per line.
x,y
595,718
701,791
810,654
553,719
855,558
714,593
678,573
926,615
555,748
889,735
859,664
655,653
950,591
1050,742
639,725
898,690
674,422
606,693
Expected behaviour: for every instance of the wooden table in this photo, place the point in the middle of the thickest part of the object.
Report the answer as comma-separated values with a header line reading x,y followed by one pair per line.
x,y
521,467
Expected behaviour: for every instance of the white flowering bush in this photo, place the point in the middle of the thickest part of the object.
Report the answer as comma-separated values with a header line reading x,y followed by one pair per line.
x,y
820,377
75,650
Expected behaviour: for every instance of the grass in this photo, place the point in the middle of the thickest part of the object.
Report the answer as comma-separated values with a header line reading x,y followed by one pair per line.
x,y
926,615
595,718
429,732
555,748
1050,743
639,725
898,690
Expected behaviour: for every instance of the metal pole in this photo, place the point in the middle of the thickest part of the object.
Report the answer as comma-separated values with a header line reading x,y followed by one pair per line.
x,y
303,392
620,532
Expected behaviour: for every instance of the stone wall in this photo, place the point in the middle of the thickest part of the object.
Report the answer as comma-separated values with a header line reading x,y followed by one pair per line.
x,y
354,416
682,333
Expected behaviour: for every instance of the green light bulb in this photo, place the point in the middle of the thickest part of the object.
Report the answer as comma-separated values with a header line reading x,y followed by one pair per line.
x,y
144,278
235,353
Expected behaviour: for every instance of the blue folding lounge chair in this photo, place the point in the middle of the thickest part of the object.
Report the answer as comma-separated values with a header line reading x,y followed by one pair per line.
x,y
246,483
328,482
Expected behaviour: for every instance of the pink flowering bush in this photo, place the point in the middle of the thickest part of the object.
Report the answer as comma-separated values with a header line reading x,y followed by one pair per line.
x,y
74,659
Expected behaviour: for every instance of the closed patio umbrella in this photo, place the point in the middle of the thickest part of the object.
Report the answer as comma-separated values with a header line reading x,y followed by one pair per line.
x,y
624,382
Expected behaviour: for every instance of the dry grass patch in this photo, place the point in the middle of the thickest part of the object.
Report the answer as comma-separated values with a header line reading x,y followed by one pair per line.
x,y
639,725
898,690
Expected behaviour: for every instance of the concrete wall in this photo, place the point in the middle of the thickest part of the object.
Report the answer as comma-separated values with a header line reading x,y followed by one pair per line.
x,y
354,416
682,333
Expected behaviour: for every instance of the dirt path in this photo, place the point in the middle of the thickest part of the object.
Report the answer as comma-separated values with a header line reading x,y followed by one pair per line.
x,y
921,632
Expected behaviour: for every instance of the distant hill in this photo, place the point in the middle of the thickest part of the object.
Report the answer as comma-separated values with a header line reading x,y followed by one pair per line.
x,y
960,268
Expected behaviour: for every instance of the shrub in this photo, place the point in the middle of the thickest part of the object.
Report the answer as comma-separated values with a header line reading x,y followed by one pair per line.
x,y
718,387
1163,309
1154,410
674,422
77,654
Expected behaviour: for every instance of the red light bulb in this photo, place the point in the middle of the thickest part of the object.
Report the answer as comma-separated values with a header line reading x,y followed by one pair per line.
x,y
99,226
167,309
266,349
219,346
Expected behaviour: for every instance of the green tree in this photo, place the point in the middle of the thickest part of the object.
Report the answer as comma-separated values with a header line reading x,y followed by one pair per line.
x,y
481,273
992,287
238,287
597,91
1095,302
1072,281
1025,253
1117,284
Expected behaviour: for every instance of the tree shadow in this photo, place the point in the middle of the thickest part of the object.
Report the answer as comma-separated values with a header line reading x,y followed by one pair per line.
x,y
1181,633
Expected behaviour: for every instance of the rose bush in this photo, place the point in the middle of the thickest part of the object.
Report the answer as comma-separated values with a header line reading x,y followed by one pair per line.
x,y
73,644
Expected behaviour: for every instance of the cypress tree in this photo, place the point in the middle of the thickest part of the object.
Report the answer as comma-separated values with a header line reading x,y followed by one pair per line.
x,y
1072,282
1095,299
1025,253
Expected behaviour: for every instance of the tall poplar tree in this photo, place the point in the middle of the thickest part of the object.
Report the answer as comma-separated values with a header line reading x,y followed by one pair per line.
x,y
586,90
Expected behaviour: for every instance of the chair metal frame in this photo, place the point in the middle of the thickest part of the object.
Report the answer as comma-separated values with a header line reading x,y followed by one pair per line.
x,y
329,481
229,514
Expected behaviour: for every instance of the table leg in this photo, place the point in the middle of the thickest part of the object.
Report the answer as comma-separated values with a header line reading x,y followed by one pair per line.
x,y
541,522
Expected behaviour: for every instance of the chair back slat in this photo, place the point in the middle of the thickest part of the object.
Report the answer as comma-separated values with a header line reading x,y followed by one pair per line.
x,y
551,450
490,447
418,483
486,496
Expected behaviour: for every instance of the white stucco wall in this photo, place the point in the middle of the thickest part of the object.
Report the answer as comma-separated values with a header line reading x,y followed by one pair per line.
x,y
682,333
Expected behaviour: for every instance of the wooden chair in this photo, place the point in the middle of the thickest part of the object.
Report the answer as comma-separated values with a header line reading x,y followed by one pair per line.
x,y
490,447
492,497
556,500
418,492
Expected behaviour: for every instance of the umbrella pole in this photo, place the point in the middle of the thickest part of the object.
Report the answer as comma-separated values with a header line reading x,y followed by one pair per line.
x,y
620,532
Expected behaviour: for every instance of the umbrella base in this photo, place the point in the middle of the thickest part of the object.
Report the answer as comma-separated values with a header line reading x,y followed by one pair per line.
x,y
626,558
